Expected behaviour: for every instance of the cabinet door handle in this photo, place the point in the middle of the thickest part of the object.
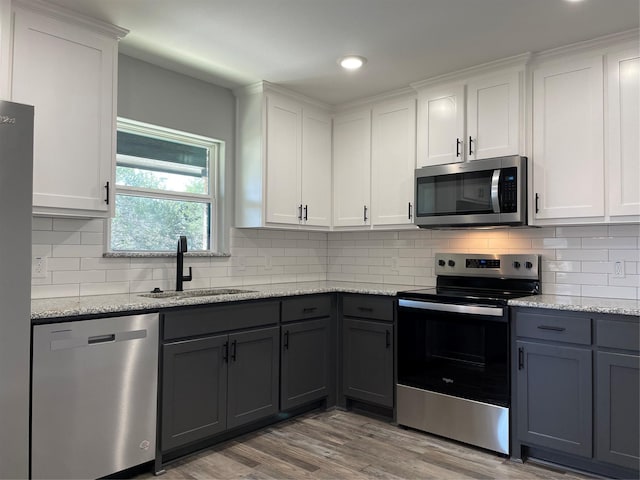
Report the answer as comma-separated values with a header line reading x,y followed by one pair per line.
x,y
388,338
470,149
458,144
520,358
225,355
537,200
410,212
286,340
234,347
365,213
552,328
106,199
306,211
300,212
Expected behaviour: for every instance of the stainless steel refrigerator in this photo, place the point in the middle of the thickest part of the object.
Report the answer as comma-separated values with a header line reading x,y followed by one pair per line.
x,y
16,180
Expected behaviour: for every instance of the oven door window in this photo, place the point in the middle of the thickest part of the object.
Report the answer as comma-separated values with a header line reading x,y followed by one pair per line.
x,y
457,354
455,194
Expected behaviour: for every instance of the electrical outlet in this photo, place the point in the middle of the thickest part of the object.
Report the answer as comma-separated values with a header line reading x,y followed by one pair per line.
x,y
618,269
39,267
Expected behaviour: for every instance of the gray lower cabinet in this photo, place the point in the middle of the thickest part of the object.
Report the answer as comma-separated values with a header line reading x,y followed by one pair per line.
x,y
554,391
194,390
367,355
305,350
618,393
305,362
219,381
577,389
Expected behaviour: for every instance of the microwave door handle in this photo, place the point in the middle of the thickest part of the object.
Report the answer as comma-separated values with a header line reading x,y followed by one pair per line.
x,y
495,184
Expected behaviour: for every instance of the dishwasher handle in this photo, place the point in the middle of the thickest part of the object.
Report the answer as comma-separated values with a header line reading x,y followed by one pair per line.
x,y
83,341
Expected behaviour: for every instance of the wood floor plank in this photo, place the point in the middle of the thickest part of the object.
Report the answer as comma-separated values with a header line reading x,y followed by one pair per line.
x,y
344,445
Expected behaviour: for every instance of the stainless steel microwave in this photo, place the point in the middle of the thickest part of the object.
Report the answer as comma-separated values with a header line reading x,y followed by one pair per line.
x,y
489,192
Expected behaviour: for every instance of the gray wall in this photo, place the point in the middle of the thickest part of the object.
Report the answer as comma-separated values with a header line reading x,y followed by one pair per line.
x,y
152,94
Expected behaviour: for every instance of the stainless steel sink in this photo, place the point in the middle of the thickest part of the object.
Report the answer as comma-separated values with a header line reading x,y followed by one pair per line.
x,y
206,292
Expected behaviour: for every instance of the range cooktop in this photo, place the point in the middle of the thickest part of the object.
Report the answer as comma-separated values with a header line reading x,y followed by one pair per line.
x,y
481,278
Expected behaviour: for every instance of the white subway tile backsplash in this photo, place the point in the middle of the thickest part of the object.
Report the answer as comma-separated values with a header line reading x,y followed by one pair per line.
x,y
610,242
42,223
602,291
575,260
56,238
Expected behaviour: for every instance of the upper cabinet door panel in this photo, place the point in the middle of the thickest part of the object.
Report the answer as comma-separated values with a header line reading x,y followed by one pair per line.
x,y
316,167
351,169
623,127
393,158
568,139
284,150
493,116
441,126
67,72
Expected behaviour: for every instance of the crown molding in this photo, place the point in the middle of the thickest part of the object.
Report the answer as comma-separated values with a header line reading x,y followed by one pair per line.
x,y
67,15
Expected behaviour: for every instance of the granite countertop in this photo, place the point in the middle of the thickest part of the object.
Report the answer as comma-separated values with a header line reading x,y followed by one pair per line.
x,y
103,304
99,304
580,304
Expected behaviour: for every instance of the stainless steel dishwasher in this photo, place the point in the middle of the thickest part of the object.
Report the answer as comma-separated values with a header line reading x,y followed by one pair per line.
x,y
94,396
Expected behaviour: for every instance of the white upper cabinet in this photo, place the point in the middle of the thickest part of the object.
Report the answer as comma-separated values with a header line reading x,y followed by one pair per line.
x,y
493,116
283,168
352,169
623,152
393,159
441,125
568,156
484,123
284,152
66,66
316,167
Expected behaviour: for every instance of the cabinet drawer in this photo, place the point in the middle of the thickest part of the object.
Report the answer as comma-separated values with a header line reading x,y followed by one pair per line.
x,y
308,306
558,327
618,334
368,306
214,319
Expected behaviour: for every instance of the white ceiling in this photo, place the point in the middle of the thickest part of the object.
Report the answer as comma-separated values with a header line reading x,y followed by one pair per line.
x,y
295,43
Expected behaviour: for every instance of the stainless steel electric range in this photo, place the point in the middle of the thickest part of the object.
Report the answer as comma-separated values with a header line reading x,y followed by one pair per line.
x,y
453,347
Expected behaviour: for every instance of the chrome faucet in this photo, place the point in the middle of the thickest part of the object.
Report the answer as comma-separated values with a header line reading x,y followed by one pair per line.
x,y
180,277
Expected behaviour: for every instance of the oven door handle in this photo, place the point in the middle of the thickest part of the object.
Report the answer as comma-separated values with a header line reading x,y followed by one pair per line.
x,y
452,307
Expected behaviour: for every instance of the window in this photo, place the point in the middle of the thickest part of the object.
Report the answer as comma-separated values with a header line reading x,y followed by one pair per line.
x,y
165,187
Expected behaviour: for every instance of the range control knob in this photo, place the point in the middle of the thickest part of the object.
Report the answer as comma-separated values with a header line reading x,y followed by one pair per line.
x,y
516,264
451,263
528,265
441,263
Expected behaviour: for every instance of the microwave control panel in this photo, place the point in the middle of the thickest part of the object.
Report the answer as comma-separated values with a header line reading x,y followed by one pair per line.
x,y
509,190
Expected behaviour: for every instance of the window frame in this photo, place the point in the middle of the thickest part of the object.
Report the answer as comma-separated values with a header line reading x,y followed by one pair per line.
x,y
216,150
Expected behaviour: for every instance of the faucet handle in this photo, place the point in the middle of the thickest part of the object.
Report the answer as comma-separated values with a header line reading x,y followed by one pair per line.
x,y
187,278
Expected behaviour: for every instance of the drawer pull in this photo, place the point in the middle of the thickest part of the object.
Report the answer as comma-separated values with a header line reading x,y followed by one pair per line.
x,y
309,309
552,328
365,309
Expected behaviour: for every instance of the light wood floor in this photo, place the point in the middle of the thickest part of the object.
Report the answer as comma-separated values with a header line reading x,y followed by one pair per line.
x,y
345,445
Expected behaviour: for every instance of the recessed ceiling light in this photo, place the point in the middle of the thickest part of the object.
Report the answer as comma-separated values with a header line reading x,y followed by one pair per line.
x,y
352,62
